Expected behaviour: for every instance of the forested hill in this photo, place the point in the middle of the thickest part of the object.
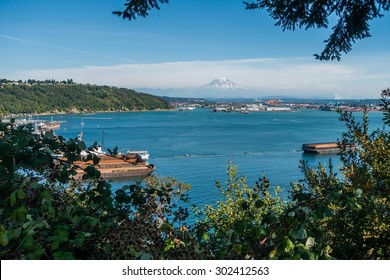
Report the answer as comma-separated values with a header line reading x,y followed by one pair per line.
x,y
59,97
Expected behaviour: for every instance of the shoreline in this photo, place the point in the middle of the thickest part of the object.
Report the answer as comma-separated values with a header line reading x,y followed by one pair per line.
x,y
76,112
85,112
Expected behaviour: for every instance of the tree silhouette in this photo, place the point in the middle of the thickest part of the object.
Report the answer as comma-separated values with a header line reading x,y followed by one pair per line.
x,y
134,8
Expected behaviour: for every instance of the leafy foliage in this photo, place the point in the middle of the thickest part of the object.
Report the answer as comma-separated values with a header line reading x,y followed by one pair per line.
x,y
45,214
59,97
234,226
386,105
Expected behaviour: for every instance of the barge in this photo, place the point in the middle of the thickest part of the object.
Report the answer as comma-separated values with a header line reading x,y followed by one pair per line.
x,y
327,147
119,166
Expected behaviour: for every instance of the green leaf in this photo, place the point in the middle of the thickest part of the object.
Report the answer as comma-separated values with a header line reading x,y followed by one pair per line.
x,y
55,245
16,233
259,231
79,241
63,255
322,212
237,248
293,233
92,221
327,212
146,256
351,205
81,145
20,213
169,245
205,236
259,203
62,235
4,238
273,254
166,227
36,254
46,195
21,195
288,245
245,205
12,198
311,256
28,242
301,234
319,213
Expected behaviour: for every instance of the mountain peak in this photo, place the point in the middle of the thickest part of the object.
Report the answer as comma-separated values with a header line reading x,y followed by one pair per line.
x,y
222,83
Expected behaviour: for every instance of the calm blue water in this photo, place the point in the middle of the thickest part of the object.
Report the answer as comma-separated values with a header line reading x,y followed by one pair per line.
x,y
196,146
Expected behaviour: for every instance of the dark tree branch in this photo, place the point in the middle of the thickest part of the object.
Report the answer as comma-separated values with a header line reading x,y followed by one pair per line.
x,y
353,19
134,8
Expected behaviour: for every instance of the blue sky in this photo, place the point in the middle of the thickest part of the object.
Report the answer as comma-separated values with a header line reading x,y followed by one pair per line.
x,y
186,44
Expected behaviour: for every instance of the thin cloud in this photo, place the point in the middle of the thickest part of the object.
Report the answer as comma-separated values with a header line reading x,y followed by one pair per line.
x,y
65,49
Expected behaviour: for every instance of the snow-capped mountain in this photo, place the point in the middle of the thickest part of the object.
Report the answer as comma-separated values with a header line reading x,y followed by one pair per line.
x,y
217,88
222,83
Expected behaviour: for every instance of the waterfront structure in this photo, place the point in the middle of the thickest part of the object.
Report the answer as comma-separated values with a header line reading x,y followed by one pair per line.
x,y
326,148
39,125
119,166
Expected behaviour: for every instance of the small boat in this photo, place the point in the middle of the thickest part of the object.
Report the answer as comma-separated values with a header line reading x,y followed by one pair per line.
x,y
327,147
143,154
50,125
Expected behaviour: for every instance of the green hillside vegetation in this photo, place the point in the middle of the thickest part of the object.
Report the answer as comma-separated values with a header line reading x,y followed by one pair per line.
x,y
63,97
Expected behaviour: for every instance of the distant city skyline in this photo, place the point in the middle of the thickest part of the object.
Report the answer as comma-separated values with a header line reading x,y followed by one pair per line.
x,y
183,46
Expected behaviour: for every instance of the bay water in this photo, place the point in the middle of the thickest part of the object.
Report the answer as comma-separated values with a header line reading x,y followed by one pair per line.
x,y
196,146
